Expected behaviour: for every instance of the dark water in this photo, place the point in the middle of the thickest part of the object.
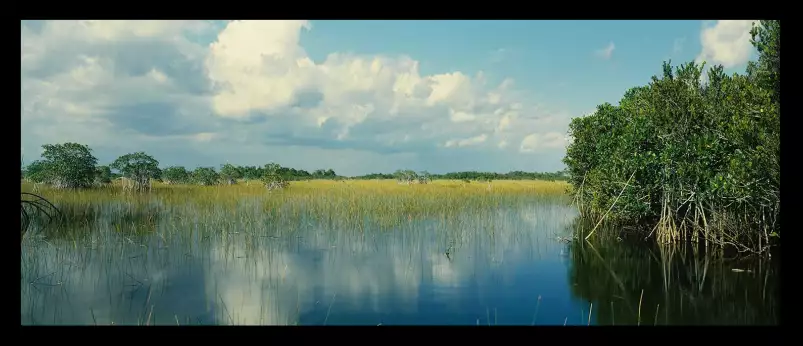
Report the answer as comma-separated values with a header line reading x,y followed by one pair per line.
x,y
502,267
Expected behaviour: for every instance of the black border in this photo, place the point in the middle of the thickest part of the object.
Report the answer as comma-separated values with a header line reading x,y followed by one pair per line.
x,y
407,334
341,10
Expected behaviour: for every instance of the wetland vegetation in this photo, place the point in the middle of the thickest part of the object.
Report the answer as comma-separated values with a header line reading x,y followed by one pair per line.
x,y
686,159
374,252
692,169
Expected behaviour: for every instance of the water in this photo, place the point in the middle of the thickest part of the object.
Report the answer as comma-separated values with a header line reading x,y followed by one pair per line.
x,y
496,267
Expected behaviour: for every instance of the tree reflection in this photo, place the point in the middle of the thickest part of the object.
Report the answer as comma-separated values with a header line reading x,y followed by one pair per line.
x,y
633,283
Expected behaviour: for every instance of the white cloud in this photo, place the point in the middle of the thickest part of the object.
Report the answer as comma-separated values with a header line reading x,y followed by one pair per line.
x,y
467,142
727,43
204,136
198,93
607,52
536,142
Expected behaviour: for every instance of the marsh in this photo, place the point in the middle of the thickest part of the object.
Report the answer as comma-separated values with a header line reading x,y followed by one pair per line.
x,y
368,253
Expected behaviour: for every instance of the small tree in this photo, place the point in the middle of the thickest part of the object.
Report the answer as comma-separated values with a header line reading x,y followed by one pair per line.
x,y
424,177
405,176
103,175
140,168
36,172
251,172
175,175
205,176
68,165
272,179
229,173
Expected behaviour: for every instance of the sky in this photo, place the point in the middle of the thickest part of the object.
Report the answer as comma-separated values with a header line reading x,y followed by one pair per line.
x,y
355,96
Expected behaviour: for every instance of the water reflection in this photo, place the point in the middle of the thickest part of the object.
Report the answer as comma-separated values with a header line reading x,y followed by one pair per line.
x,y
494,267
677,285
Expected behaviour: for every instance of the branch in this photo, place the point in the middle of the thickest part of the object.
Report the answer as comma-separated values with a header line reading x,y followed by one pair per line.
x,y
612,204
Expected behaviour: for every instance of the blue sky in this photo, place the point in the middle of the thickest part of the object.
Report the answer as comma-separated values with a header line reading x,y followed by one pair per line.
x,y
355,96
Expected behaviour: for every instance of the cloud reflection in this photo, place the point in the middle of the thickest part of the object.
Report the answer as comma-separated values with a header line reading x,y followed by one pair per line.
x,y
314,276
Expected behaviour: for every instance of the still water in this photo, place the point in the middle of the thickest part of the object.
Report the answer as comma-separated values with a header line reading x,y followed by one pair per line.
x,y
509,266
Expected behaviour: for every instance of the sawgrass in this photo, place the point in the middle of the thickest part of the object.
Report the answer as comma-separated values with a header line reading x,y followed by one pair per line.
x,y
357,204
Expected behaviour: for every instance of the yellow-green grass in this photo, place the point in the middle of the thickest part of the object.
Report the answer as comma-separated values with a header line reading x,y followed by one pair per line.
x,y
309,191
351,202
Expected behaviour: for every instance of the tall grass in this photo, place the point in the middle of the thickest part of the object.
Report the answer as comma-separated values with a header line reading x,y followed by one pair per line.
x,y
240,264
358,204
242,255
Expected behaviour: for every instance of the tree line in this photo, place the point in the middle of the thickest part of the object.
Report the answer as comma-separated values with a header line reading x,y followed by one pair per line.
x,y
686,159
72,165
472,175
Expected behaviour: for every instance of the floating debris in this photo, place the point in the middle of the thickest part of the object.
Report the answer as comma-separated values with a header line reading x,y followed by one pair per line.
x,y
564,240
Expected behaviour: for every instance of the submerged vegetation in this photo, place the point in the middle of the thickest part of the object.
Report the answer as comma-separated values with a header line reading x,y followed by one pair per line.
x,y
34,207
683,160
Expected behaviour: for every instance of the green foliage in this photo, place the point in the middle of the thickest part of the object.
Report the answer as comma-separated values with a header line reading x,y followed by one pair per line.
x,y
230,173
250,172
103,175
766,37
324,174
704,156
409,176
175,175
36,172
205,176
424,177
295,174
68,165
273,178
405,176
256,173
139,167
272,168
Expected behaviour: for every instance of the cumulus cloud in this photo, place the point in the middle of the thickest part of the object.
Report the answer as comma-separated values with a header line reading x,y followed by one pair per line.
x,y
198,92
727,42
605,53
537,142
